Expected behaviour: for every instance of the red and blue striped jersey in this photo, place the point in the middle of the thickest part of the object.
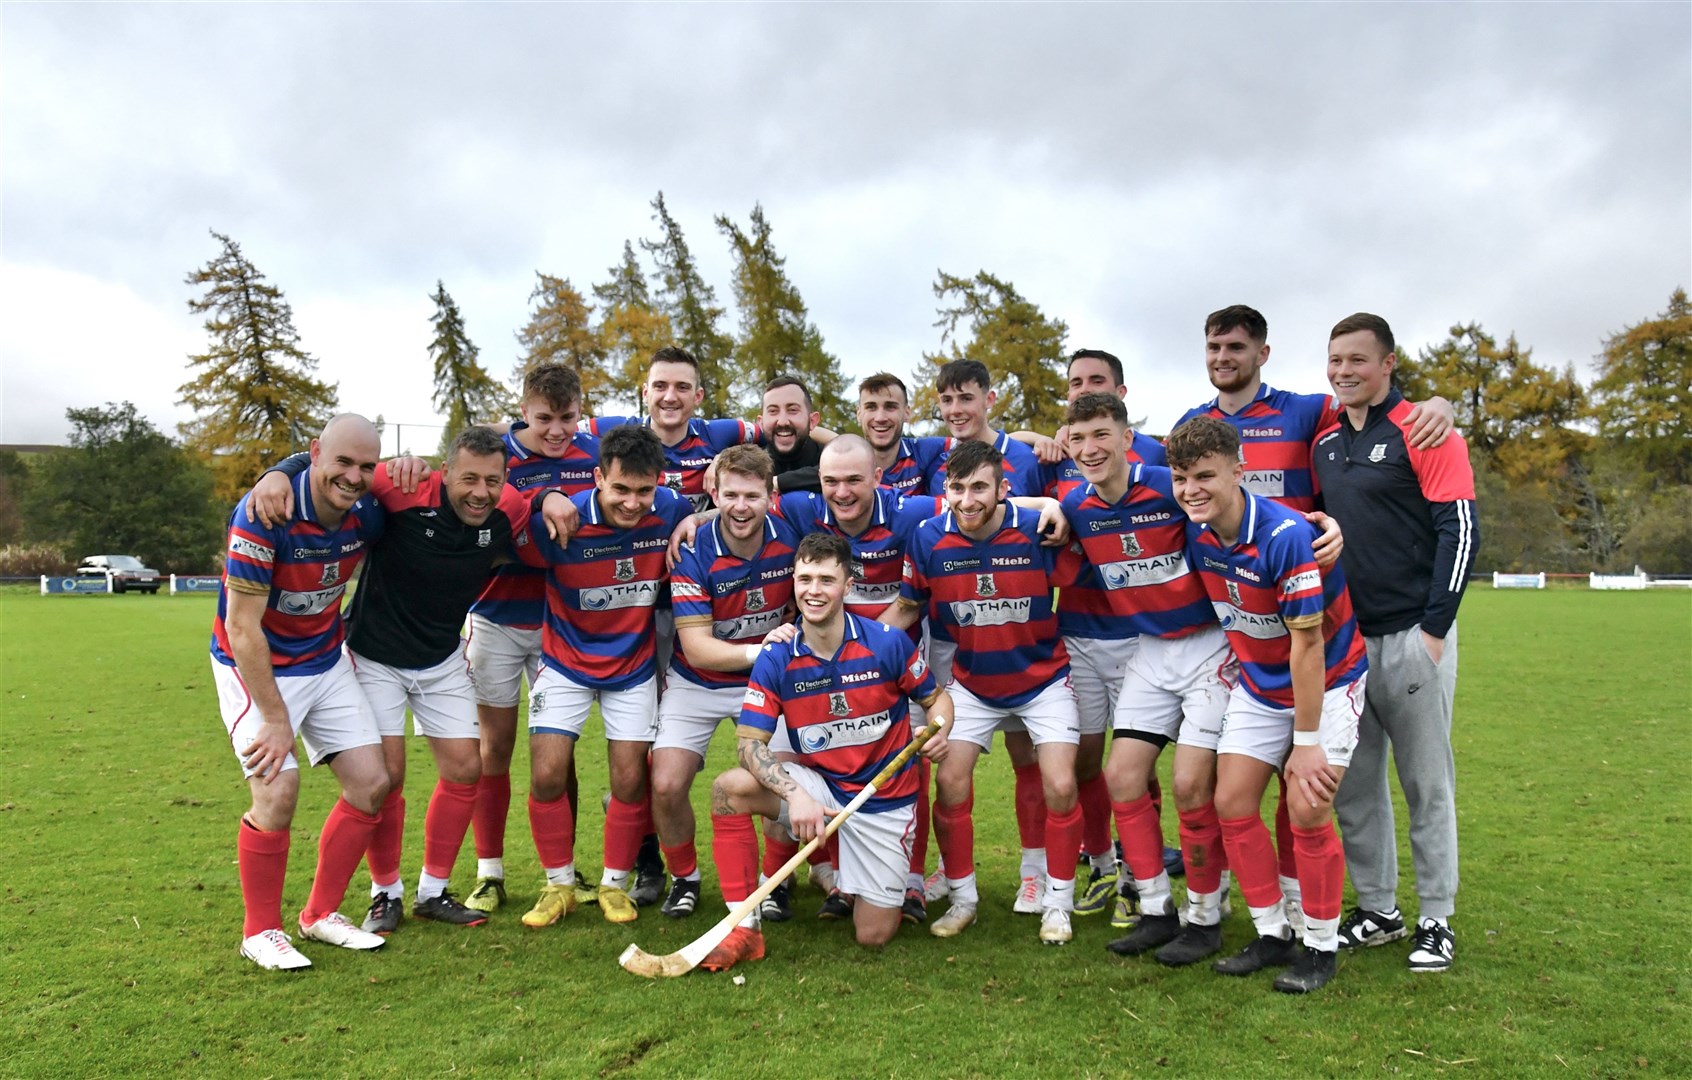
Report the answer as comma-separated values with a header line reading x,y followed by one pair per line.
x,y
847,715
878,553
1083,609
515,594
741,600
1057,481
920,459
1135,560
1267,582
1022,468
993,598
601,591
1277,431
685,463
304,568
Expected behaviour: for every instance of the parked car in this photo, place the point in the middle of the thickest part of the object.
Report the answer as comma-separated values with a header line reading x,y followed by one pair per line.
x,y
123,571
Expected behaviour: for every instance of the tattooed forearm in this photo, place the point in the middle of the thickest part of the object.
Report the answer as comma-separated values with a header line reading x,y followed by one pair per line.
x,y
755,758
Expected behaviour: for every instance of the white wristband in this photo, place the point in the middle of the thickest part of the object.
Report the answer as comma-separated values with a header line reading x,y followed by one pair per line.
x,y
752,653
1306,738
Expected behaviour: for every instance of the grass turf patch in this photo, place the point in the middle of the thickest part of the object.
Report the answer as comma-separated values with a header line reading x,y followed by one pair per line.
x,y
119,800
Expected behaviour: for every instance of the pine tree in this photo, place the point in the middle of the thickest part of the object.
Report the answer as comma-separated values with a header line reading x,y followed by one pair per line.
x,y
692,307
560,331
1642,396
1022,348
254,397
630,329
776,338
464,391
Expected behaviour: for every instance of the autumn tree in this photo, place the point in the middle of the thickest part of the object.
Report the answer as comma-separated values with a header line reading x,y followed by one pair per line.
x,y
1642,395
464,391
560,330
254,398
776,336
630,328
1021,346
691,305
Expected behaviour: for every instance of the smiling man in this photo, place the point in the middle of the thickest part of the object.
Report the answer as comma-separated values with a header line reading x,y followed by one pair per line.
x,y
907,463
788,417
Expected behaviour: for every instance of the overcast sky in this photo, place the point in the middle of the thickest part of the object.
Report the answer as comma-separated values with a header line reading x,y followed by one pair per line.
x,y
1129,168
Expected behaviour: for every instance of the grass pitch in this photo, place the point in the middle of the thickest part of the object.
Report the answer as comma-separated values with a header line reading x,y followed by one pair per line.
x,y
119,801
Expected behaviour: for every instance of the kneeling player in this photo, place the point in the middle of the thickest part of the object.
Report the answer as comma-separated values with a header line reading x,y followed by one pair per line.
x,y
841,684
1302,674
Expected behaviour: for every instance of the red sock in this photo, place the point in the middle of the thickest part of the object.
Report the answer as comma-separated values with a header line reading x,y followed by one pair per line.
x,y
624,830
1095,815
493,804
1142,840
1202,849
554,830
822,853
444,825
954,832
383,857
1285,854
1063,843
648,827
1252,855
831,848
1321,870
263,860
1030,806
919,839
340,848
734,846
776,852
683,859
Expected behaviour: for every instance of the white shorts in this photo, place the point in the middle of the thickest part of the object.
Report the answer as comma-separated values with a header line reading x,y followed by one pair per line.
x,y
1049,717
442,698
328,711
688,714
1177,689
875,849
559,705
1264,731
500,656
1096,666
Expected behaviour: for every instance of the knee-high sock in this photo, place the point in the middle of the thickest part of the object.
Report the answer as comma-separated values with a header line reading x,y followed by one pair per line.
x,y
1095,813
1062,843
340,848
919,839
1251,855
624,828
263,860
554,830
1285,854
493,805
776,852
444,826
383,856
1142,839
734,846
1202,849
1030,807
682,859
954,832
1321,870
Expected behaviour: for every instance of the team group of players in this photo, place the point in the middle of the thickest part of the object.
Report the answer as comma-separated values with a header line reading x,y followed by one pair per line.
x,y
833,593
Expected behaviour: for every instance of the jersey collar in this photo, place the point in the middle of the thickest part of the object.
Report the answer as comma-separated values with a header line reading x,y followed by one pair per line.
x,y
719,545
853,633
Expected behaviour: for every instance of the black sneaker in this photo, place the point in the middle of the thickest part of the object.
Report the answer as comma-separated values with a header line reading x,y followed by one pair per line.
x,y
444,908
914,910
683,899
1174,864
837,905
384,916
1311,971
649,874
1261,953
1433,947
1364,929
1152,932
778,906
1194,944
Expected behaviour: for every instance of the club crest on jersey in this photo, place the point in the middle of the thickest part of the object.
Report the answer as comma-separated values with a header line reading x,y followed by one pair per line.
x,y
1234,594
673,480
625,570
1131,545
857,570
837,705
985,586
331,573
1378,454
484,537
754,599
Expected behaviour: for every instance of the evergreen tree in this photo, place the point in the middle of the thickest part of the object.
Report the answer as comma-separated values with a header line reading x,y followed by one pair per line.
x,y
254,397
775,336
464,391
560,331
1022,348
1642,396
630,329
692,307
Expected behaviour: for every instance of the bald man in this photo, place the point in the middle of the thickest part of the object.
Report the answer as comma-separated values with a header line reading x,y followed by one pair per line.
x,y
280,673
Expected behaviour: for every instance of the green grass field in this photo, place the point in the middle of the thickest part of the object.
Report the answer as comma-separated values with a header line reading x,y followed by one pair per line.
x,y
119,801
